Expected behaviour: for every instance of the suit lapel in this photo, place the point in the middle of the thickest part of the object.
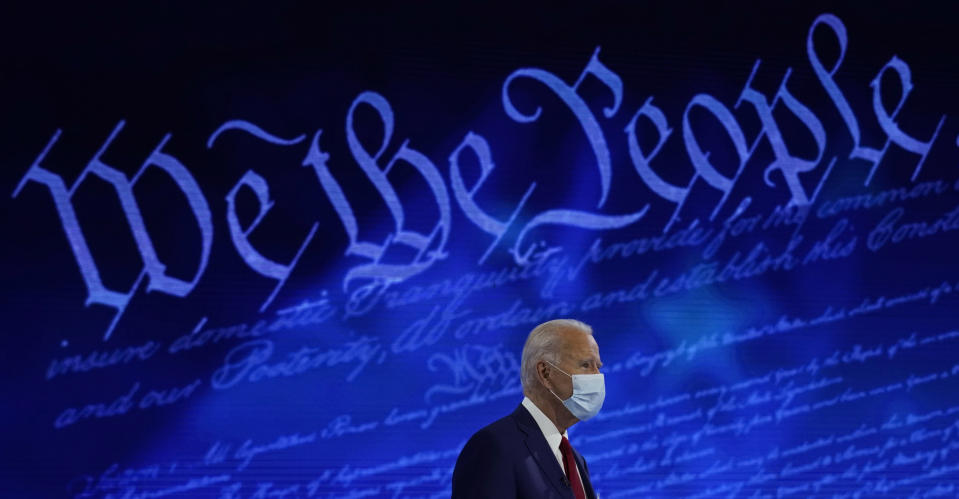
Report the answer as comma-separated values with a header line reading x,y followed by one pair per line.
x,y
584,474
539,449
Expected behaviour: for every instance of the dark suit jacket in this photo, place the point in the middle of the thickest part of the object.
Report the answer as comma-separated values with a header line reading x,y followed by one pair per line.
x,y
511,459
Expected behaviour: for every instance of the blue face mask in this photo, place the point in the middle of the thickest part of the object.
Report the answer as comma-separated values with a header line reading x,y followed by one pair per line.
x,y
589,392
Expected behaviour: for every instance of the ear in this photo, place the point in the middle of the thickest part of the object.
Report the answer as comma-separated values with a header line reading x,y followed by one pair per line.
x,y
543,372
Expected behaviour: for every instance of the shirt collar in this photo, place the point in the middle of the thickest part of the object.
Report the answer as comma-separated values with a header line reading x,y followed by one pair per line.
x,y
552,434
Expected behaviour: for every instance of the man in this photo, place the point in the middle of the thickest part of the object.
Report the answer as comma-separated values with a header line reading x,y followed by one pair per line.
x,y
527,454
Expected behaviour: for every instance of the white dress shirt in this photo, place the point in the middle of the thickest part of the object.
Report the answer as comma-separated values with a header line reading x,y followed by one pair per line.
x,y
552,434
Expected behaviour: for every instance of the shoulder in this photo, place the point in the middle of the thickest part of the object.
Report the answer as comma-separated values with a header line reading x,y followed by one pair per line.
x,y
502,438
486,467
496,436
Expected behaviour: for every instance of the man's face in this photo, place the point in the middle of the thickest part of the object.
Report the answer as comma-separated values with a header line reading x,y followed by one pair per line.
x,y
579,355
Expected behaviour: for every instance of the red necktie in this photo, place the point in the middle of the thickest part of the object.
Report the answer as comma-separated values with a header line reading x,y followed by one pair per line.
x,y
572,472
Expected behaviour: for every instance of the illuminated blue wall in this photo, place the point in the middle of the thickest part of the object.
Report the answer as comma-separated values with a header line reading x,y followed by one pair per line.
x,y
278,253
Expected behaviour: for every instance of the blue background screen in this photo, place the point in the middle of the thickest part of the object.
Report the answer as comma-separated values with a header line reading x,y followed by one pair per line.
x,y
287,252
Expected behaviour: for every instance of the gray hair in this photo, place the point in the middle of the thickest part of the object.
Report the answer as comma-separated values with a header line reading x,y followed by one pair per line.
x,y
543,344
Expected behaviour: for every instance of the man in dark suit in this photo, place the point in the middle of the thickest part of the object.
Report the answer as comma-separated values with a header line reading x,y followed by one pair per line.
x,y
527,454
